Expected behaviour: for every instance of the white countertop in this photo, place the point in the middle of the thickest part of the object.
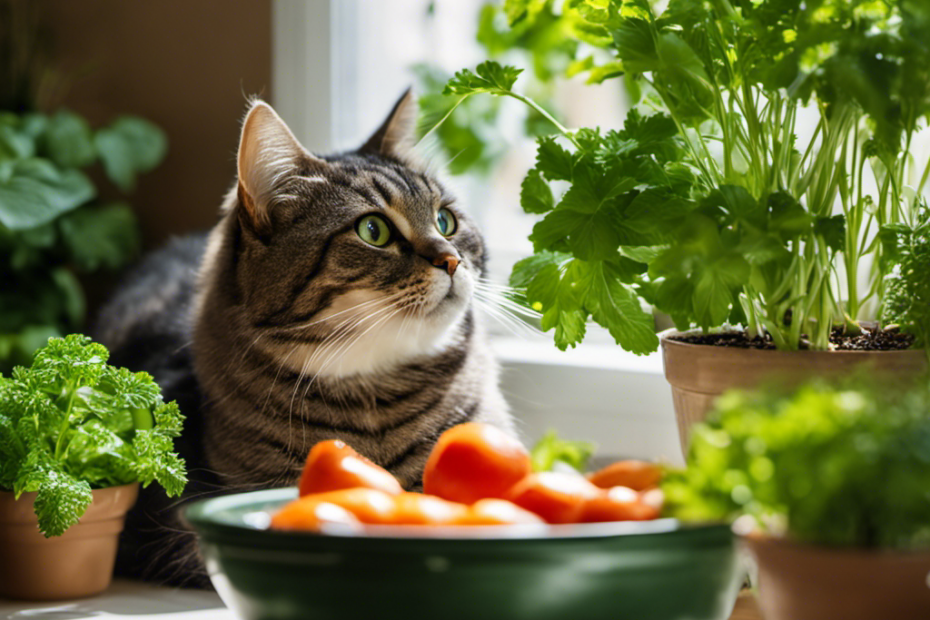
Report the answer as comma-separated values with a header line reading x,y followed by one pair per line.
x,y
125,600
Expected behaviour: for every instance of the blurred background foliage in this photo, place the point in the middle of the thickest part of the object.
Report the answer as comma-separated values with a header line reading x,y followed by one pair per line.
x,y
549,40
56,221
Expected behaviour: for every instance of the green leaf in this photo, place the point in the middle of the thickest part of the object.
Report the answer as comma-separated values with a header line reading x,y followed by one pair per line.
x,y
100,236
553,161
714,291
551,449
60,501
36,192
675,296
535,194
560,306
14,144
788,216
129,146
606,71
833,230
525,270
589,236
68,140
488,77
615,305
157,461
518,10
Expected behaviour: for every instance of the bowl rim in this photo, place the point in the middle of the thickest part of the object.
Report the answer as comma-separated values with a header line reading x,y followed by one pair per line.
x,y
201,516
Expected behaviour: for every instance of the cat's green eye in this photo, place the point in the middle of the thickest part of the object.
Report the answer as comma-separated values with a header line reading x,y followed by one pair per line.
x,y
374,230
446,223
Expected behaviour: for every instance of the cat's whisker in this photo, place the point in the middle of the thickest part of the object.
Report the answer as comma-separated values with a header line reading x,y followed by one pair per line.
x,y
504,322
333,343
349,309
503,300
503,315
342,350
508,304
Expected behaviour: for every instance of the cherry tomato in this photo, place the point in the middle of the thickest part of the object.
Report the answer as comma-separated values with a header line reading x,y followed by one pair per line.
x,y
617,504
332,465
475,461
312,516
497,512
556,497
419,509
636,475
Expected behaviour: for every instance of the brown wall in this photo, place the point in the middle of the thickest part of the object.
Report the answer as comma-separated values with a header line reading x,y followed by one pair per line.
x,y
184,64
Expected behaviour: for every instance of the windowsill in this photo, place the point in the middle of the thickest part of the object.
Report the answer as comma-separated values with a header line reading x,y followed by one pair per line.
x,y
601,356
596,392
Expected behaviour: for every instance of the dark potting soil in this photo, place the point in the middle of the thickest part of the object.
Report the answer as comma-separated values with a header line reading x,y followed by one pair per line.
x,y
891,339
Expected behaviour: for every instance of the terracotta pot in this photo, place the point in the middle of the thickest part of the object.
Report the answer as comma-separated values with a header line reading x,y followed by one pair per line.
x,y
805,582
699,374
76,564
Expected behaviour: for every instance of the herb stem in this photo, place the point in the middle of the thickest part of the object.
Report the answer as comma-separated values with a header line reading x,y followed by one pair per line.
x,y
562,129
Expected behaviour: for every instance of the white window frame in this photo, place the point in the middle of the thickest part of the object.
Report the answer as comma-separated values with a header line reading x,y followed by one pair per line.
x,y
596,391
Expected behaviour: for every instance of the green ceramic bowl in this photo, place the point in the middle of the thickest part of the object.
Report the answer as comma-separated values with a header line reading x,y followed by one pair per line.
x,y
655,570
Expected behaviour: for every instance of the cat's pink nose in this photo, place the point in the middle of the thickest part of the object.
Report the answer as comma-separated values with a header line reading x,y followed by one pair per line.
x,y
449,262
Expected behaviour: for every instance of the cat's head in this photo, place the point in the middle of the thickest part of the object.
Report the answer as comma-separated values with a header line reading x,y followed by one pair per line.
x,y
352,261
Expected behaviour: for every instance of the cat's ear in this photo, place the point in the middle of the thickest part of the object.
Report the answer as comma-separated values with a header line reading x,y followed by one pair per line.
x,y
395,137
268,153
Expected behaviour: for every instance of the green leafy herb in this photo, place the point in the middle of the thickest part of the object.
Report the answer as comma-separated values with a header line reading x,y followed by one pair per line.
x,y
551,449
847,466
732,217
71,423
907,298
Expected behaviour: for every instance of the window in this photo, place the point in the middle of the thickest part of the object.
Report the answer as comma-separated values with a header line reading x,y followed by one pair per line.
x,y
339,65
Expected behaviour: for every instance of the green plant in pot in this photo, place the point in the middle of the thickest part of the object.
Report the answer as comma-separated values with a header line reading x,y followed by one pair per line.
x,y
829,485
778,243
77,436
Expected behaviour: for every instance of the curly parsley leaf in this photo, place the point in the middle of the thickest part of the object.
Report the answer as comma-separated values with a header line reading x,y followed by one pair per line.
x,y
61,500
71,423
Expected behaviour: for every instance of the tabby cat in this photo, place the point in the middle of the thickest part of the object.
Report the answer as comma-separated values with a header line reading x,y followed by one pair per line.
x,y
332,300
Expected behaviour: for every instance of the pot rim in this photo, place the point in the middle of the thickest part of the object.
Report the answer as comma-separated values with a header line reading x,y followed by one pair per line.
x,y
760,539
665,338
5,492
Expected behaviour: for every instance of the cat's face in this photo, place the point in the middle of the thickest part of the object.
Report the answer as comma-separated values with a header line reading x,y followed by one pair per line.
x,y
349,263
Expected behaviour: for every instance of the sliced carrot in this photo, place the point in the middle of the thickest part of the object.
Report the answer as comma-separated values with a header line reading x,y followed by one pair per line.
x,y
636,475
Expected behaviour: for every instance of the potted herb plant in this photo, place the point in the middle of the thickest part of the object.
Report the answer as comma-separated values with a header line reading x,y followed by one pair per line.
x,y
829,487
784,247
77,436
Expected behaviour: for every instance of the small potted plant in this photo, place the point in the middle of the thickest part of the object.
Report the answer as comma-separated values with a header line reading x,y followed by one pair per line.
x,y
828,486
773,248
77,436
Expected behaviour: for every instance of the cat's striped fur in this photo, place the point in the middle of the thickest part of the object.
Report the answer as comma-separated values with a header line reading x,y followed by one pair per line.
x,y
301,331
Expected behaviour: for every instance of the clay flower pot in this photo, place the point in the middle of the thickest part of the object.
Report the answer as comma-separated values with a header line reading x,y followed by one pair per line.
x,y
699,374
806,582
76,564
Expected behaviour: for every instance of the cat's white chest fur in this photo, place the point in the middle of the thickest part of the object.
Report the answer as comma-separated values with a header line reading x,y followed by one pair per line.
x,y
369,333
